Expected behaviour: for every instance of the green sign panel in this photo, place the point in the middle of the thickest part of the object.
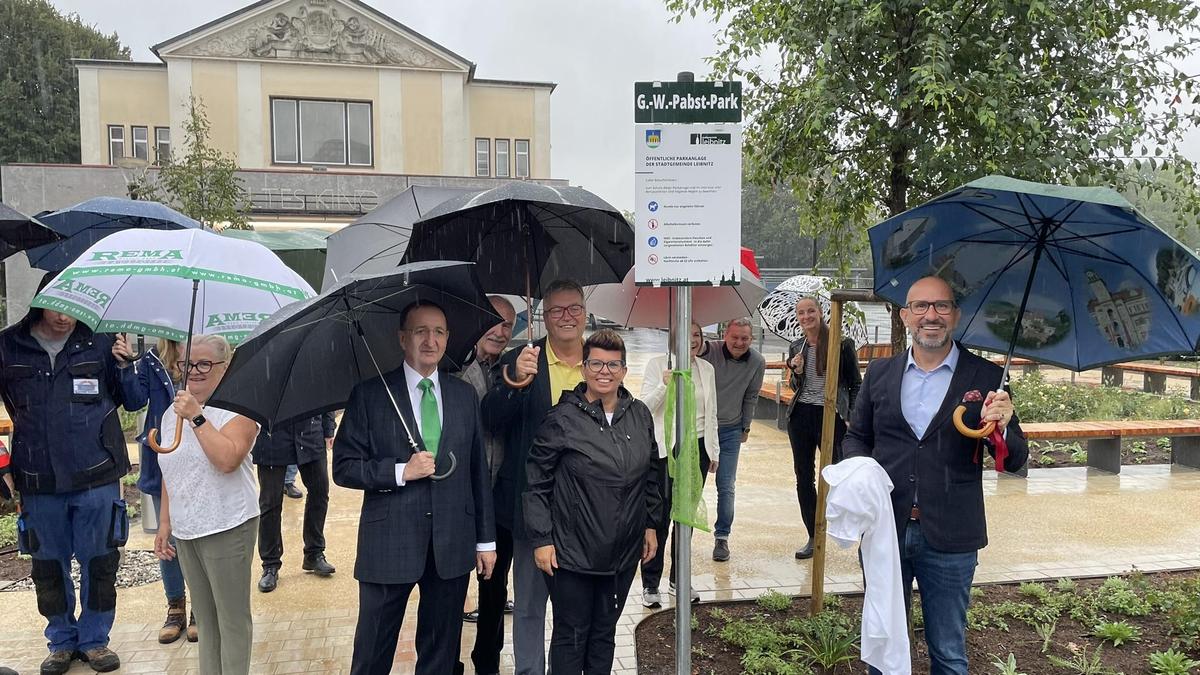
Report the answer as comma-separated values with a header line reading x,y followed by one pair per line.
x,y
687,102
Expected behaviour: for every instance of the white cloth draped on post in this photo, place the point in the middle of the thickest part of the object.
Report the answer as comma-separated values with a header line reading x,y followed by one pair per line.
x,y
859,511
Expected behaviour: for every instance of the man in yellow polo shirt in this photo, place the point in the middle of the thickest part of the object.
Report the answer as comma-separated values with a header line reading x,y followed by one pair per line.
x,y
514,413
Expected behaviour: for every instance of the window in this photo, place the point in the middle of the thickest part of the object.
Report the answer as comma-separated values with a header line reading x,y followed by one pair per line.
x,y
522,159
483,152
162,145
116,143
321,132
501,158
141,143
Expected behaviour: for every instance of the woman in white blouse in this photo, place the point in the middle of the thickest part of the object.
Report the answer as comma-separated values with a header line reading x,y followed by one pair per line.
x,y
210,505
654,394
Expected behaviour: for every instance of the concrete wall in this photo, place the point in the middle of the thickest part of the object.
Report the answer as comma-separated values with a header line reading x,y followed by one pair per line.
x,y
32,188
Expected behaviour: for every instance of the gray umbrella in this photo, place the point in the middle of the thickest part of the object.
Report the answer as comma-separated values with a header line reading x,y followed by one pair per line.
x,y
376,242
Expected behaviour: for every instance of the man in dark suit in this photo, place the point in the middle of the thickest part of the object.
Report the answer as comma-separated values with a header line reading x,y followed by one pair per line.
x,y
516,412
303,444
903,418
415,531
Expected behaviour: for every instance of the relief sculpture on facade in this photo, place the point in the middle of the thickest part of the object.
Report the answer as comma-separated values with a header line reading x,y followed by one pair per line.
x,y
314,30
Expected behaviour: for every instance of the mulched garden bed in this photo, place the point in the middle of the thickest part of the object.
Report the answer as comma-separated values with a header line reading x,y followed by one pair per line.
x,y
1052,454
774,634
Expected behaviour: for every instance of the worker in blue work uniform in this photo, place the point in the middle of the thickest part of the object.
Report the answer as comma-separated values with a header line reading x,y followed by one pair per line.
x,y
61,386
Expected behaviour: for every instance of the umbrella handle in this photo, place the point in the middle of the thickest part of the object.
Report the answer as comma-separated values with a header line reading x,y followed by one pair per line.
x,y
141,348
516,384
152,438
453,465
963,429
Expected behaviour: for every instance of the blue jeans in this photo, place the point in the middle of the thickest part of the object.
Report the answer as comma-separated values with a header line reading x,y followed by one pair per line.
x,y
172,574
944,581
289,477
87,525
730,438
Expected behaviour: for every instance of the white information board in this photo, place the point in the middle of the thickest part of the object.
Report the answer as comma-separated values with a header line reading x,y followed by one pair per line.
x,y
688,203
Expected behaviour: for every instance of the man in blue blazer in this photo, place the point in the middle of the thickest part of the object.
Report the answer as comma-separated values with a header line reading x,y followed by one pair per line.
x,y
903,418
416,531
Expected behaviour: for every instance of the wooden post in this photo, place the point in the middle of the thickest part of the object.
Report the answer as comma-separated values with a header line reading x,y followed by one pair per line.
x,y
832,363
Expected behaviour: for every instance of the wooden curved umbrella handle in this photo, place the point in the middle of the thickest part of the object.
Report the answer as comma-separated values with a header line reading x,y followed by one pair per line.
x,y
967,431
152,439
514,383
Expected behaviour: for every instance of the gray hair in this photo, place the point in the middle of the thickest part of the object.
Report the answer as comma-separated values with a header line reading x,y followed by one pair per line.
x,y
503,301
743,321
218,342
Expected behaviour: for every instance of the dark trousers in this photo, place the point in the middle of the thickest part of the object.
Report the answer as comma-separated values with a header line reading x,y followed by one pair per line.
x,y
652,571
493,594
804,432
586,609
270,504
439,623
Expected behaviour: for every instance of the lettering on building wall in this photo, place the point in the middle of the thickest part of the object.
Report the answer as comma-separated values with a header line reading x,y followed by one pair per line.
x,y
287,200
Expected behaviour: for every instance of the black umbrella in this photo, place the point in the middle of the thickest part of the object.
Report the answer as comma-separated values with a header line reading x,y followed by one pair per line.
x,y
86,223
523,236
306,358
18,232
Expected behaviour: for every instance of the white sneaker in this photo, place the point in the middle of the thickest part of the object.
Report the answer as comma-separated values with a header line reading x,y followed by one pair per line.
x,y
651,598
695,593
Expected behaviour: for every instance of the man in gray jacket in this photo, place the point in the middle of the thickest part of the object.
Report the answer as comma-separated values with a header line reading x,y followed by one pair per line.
x,y
738,370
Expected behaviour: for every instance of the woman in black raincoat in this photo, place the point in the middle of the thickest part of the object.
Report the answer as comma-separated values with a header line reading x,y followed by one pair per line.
x,y
592,505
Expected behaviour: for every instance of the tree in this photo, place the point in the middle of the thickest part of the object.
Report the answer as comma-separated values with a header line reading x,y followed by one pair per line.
x,y
201,182
39,90
879,105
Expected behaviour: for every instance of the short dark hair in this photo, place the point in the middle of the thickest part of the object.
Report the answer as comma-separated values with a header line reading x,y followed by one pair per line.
x,y
560,285
605,338
415,306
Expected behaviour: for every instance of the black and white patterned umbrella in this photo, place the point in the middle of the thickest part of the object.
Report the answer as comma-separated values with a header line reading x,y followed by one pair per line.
x,y
777,311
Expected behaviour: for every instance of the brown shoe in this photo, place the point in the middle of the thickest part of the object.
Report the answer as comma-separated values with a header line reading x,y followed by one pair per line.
x,y
58,662
101,659
192,634
176,621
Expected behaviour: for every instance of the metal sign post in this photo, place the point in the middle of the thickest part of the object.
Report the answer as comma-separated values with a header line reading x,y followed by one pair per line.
x,y
688,175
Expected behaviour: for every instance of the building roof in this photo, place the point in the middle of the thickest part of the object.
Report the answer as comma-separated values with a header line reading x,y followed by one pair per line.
x,y
516,83
118,63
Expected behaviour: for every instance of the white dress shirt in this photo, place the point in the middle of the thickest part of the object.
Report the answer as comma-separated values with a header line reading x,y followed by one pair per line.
x,y
412,380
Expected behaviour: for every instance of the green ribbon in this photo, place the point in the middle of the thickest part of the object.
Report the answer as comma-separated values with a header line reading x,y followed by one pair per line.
x,y
687,493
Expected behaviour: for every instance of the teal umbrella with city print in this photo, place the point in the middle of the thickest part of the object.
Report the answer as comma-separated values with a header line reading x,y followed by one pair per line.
x,y
174,284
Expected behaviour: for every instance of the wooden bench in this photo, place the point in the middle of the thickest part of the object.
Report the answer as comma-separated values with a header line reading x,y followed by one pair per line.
x,y
1104,438
1154,376
6,427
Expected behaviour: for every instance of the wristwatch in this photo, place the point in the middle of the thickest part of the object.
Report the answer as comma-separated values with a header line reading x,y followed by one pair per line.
x,y
198,420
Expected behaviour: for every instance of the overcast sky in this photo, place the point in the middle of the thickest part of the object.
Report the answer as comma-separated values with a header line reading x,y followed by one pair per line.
x,y
593,49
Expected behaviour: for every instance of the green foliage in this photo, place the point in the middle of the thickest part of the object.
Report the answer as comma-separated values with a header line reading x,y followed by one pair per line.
x,y
200,180
1117,632
1083,663
1172,662
1045,631
1034,590
774,601
832,602
8,530
1006,666
131,478
1115,595
39,90
829,640
1066,585
128,421
876,107
1038,400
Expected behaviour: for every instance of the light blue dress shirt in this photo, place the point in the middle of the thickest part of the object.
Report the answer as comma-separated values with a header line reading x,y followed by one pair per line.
x,y
922,393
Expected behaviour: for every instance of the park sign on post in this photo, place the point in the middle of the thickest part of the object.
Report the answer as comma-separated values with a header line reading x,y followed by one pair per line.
x,y
688,182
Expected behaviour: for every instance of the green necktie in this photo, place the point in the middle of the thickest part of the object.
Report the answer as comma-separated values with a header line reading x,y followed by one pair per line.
x,y
431,426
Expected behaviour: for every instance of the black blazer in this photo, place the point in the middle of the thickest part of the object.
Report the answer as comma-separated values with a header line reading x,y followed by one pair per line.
x,y
298,442
398,524
938,470
515,415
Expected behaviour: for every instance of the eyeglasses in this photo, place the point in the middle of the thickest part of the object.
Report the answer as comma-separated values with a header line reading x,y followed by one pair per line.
x,y
202,367
942,307
598,366
425,332
557,312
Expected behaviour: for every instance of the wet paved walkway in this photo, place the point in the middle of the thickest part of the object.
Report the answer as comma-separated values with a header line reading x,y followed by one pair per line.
x,y
1059,522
